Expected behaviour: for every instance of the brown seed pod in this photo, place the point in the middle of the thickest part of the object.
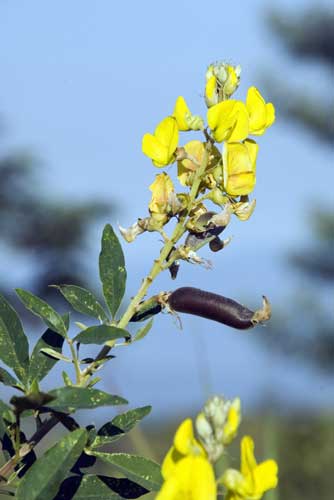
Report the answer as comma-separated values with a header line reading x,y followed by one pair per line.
x,y
218,308
216,244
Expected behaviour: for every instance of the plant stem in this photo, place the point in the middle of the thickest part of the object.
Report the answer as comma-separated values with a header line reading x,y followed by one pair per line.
x,y
158,265
44,429
75,362
156,269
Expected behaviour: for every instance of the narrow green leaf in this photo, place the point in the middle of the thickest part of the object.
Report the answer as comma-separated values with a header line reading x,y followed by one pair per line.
x,y
14,349
83,301
40,365
55,354
6,412
112,269
139,469
101,334
99,487
43,479
7,379
66,379
126,421
82,397
43,310
118,426
143,331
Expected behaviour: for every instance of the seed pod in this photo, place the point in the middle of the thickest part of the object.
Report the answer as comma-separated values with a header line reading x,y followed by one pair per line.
x,y
147,308
216,244
218,308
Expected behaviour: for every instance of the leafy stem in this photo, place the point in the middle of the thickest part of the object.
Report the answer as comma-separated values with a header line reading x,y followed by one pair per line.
x,y
159,264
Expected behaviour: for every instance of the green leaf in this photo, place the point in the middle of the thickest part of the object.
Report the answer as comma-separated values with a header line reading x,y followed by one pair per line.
x,y
82,397
43,479
139,469
126,421
55,354
14,349
40,365
143,331
83,301
112,269
43,310
101,334
66,379
118,426
99,487
7,379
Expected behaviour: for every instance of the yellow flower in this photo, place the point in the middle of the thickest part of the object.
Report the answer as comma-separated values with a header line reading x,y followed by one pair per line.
x,y
254,479
161,188
184,119
186,470
261,114
161,146
184,444
192,479
229,121
239,161
187,167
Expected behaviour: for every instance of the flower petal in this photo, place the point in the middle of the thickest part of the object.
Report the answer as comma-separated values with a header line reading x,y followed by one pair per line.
x,y
265,476
193,479
248,462
167,133
229,121
239,168
153,148
180,111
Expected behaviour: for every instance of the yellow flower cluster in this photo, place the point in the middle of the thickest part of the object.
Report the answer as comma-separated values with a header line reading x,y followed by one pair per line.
x,y
188,470
232,172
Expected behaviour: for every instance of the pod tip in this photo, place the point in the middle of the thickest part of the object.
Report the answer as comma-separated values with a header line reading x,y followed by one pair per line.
x,y
264,314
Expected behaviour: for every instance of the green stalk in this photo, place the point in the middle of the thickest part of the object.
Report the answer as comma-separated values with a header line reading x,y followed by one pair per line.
x,y
158,265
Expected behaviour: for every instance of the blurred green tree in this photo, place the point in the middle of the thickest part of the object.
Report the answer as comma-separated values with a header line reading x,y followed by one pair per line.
x,y
308,324
50,235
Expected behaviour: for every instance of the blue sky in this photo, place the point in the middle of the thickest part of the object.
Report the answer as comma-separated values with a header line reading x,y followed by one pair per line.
x,y
81,82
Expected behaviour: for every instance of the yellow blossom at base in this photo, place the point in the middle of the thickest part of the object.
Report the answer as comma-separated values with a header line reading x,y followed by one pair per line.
x,y
187,167
239,166
195,152
261,115
229,121
161,188
161,146
192,479
254,479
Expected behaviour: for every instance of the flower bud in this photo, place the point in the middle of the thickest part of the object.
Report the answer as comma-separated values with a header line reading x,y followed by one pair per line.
x,y
222,80
203,427
217,196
